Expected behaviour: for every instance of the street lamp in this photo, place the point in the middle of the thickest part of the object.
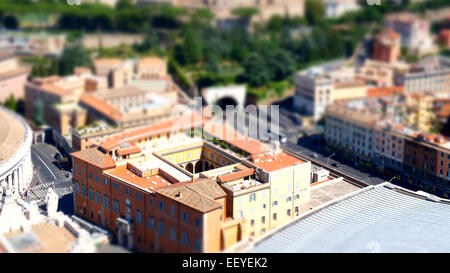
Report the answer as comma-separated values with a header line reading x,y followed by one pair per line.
x,y
393,178
328,159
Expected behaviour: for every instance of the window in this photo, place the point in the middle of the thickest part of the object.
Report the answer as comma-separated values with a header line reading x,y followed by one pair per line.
x,y
198,244
82,171
91,194
151,222
198,222
138,196
274,203
90,174
264,206
115,205
263,219
274,216
151,201
77,187
184,238
105,181
127,191
139,216
76,168
83,190
172,233
252,197
106,201
297,196
116,187
185,216
98,197
289,199
161,205
252,222
289,212
161,226
172,210
97,178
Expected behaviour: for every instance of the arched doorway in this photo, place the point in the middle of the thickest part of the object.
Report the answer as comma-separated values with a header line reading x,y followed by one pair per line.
x,y
223,102
198,167
189,167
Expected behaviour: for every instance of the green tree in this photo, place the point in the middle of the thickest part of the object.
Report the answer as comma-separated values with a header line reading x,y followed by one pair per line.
x,y
10,22
314,11
150,38
256,71
11,103
275,23
73,55
124,4
38,117
190,52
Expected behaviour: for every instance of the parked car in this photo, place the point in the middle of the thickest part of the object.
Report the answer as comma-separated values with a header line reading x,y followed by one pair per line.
x,y
335,164
297,120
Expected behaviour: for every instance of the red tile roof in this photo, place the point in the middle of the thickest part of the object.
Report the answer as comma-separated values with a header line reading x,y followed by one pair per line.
x,y
176,123
129,150
95,157
275,162
101,106
385,91
236,175
149,182
231,136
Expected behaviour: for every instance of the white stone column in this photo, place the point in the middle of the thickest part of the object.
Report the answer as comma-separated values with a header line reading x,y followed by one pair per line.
x,y
23,184
9,181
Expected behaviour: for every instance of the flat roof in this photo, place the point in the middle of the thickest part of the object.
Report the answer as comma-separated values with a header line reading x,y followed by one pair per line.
x,y
383,218
42,238
272,162
150,182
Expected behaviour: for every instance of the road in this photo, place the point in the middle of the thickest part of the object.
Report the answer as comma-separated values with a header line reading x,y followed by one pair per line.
x,y
308,147
47,174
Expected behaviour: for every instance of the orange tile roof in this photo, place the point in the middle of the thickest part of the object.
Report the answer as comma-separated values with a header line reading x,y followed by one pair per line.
x,y
385,91
179,123
231,136
190,195
388,33
237,175
129,150
101,106
55,90
275,162
95,157
150,182
151,60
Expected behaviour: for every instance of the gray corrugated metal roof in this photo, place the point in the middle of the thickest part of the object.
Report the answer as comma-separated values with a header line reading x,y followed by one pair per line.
x,y
376,220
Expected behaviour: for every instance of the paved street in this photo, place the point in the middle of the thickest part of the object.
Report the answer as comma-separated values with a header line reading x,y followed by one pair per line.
x,y
48,174
308,147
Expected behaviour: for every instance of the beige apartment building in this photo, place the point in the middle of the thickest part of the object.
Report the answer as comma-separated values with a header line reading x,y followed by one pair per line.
x,y
13,76
318,87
